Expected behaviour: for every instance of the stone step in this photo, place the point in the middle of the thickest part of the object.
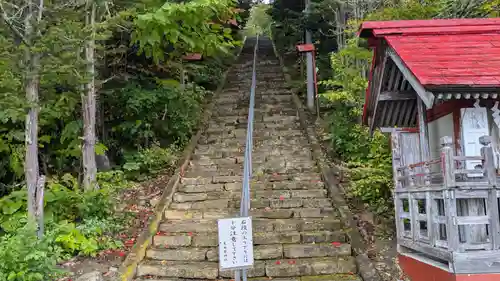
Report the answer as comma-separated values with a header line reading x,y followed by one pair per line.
x,y
262,157
332,277
245,87
234,111
260,132
259,225
181,197
275,177
224,150
265,137
310,266
266,165
172,240
303,153
291,142
254,203
256,186
195,270
261,252
271,268
269,213
258,120
261,117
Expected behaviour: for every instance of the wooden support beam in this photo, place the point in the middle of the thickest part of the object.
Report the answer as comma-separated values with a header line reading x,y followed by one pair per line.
x,y
423,133
397,95
378,79
426,96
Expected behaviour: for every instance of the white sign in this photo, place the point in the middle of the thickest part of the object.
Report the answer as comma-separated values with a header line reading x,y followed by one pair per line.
x,y
235,243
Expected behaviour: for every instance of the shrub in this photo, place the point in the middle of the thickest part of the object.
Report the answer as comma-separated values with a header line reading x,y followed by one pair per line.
x,y
150,161
368,158
147,113
26,258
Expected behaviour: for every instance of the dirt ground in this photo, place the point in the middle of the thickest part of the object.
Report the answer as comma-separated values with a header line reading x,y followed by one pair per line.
x,y
379,236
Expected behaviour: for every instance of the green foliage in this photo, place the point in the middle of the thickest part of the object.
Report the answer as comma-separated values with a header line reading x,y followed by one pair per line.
x,y
344,99
208,73
63,201
407,10
491,8
368,158
26,258
149,161
371,173
145,116
185,27
287,28
259,22
148,113
117,59
85,238
464,8
76,222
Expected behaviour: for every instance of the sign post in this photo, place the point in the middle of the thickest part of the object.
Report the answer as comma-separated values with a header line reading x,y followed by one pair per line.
x,y
309,49
235,243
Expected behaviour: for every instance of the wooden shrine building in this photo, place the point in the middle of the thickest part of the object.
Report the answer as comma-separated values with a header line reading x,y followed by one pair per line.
x,y
435,85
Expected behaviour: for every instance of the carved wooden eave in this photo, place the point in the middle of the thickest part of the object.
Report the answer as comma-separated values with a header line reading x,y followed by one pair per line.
x,y
466,95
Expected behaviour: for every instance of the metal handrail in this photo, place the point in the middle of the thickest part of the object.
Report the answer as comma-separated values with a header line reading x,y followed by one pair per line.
x,y
247,164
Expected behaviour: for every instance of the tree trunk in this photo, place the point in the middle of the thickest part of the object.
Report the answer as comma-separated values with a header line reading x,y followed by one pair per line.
x,y
31,160
89,108
31,165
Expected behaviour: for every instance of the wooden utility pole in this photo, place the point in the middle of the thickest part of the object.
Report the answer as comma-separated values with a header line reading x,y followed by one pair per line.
x,y
310,67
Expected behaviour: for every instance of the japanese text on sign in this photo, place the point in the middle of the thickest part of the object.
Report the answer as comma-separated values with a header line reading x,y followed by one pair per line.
x,y
235,243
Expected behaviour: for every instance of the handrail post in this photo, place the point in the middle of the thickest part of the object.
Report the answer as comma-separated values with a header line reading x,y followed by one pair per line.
x,y
447,162
398,185
450,203
490,174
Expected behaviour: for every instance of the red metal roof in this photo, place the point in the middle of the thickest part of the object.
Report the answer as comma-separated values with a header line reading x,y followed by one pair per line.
x,y
451,60
368,26
192,56
459,52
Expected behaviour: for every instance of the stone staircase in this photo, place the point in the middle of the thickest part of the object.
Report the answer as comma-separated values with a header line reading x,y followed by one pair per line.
x,y
297,233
